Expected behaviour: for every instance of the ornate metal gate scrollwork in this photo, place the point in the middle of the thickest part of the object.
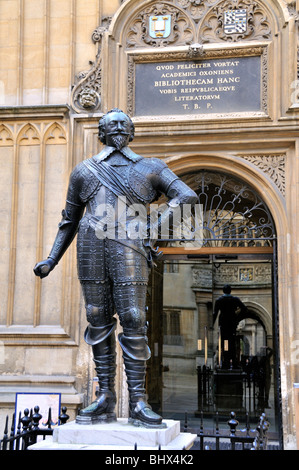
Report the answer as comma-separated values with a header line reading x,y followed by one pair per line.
x,y
232,213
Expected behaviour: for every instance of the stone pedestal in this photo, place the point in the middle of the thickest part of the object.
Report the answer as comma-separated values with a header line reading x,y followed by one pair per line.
x,y
119,435
229,390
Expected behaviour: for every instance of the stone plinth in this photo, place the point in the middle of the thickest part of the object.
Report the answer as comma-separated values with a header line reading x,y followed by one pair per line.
x,y
119,435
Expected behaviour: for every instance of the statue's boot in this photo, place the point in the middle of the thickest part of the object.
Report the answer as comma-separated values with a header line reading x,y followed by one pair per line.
x,y
102,340
135,353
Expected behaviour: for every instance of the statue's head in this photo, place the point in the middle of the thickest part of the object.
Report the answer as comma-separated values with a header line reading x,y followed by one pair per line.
x,y
227,289
116,129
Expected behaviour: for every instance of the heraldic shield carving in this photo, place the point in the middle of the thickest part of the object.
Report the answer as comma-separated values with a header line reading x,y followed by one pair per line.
x,y
186,22
160,26
235,21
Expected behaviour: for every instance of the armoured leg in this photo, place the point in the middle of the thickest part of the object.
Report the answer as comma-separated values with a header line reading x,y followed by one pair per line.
x,y
135,353
101,337
130,304
102,340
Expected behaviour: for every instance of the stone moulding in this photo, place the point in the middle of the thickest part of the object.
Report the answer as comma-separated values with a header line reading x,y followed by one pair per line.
x,y
272,165
86,92
236,275
295,14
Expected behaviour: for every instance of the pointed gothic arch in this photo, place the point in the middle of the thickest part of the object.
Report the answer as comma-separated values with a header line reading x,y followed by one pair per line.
x,y
28,135
6,137
55,134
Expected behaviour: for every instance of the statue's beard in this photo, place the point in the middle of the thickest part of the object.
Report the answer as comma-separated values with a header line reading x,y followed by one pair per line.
x,y
119,140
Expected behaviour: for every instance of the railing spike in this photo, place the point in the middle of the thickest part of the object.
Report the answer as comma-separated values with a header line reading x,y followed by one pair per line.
x,y
26,420
36,417
49,421
5,436
63,416
6,426
233,423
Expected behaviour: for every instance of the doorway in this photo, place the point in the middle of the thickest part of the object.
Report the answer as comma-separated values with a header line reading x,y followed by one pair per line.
x,y
194,367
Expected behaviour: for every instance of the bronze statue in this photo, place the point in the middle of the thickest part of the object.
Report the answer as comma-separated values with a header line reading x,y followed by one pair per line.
x,y
232,311
113,270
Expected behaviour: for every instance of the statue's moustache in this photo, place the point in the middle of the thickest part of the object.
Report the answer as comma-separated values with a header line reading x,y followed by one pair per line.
x,y
118,133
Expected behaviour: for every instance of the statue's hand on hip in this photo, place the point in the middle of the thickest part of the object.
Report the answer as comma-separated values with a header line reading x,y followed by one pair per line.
x,y
43,268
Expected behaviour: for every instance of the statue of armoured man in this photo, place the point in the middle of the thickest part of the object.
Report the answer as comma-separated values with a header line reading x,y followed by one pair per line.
x,y
113,270
232,311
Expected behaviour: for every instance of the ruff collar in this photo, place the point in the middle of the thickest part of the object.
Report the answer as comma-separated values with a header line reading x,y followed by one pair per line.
x,y
126,151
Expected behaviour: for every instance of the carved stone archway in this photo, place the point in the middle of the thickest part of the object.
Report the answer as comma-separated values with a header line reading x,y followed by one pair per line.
x,y
267,184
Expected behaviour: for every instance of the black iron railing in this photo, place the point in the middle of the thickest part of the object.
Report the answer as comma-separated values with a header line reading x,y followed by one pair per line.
x,y
231,438
25,431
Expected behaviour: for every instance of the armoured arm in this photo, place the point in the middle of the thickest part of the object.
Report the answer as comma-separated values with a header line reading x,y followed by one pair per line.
x,y
177,192
67,228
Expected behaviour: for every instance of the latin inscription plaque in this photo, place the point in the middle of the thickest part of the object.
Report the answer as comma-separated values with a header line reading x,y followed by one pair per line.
x,y
227,85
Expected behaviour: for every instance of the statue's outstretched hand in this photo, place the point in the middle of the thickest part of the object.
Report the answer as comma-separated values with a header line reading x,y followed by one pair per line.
x,y
43,268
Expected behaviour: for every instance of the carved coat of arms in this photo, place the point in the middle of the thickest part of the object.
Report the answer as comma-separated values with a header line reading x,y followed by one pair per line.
x,y
235,21
159,26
